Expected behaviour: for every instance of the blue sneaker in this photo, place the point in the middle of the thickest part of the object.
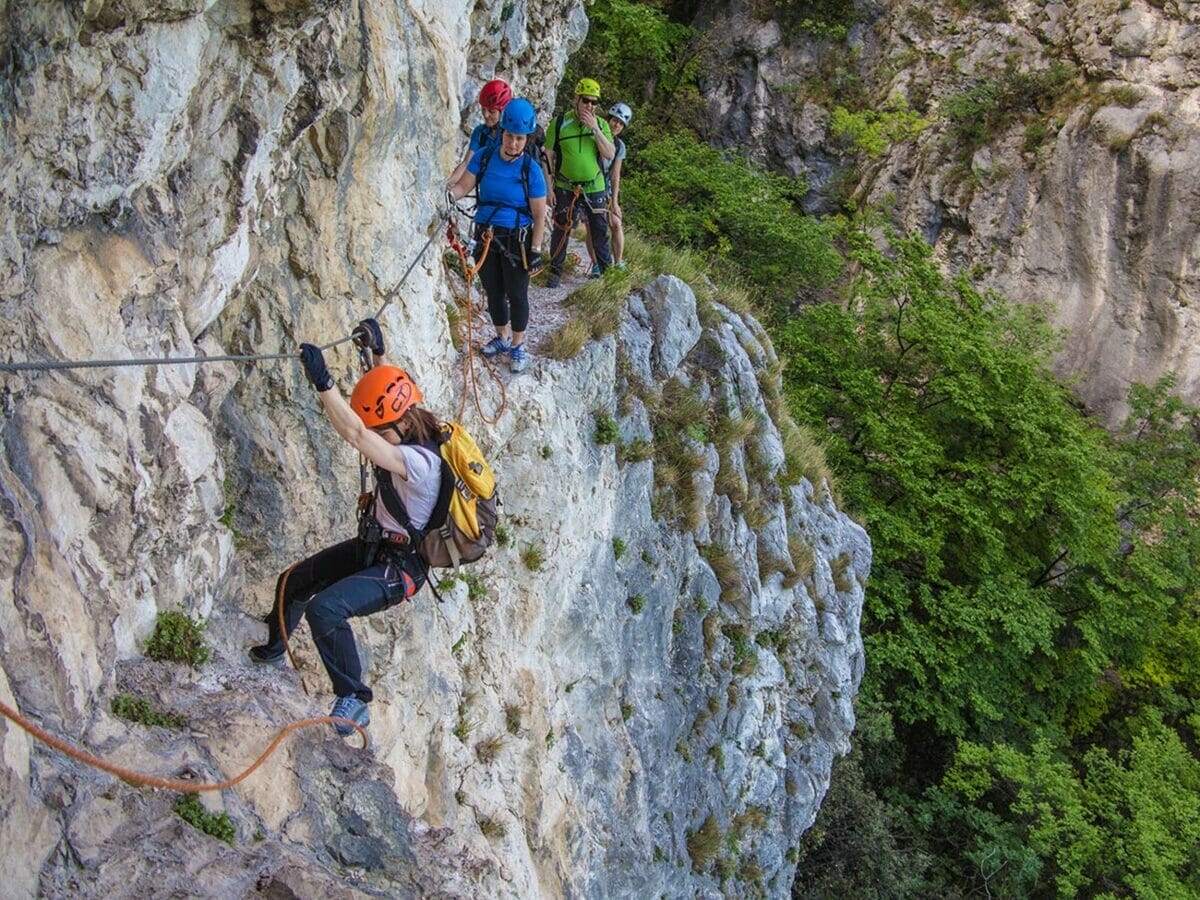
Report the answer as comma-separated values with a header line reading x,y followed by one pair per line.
x,y
495,346
595,273
350,708
521,358
553,281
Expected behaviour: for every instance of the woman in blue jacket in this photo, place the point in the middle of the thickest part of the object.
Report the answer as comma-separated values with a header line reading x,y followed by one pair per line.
x,y
512,204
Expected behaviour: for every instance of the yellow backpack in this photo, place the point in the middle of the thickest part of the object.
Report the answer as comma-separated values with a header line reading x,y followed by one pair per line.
x,y
469,523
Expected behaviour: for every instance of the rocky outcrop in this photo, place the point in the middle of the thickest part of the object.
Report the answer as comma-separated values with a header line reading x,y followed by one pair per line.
x,y
651,708
1084,202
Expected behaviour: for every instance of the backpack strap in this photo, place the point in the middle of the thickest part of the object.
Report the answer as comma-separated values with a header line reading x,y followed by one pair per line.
x,y
558,141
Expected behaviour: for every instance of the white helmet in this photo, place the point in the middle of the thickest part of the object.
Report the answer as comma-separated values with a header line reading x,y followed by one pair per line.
x,y
623,112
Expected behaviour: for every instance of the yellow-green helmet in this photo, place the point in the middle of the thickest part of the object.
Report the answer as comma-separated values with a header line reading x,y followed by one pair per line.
x,y
587,87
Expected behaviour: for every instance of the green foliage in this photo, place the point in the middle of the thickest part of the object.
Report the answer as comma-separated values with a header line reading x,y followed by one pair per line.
x,y
142,711
619,546
1129,818
533,556
636,603
177,638
745,219
218,825
871,132
1032,617
606,431
704,844
642,57
822,19
981,113
504,537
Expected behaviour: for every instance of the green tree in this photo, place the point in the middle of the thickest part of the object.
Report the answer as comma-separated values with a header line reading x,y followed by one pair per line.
x,y
1032,613
743,218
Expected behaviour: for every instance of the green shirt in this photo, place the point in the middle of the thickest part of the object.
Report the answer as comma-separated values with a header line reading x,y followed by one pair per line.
x,y
578,157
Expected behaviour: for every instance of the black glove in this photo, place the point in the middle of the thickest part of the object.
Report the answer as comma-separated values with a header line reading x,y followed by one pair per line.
x,y
368,334
535,263
315,368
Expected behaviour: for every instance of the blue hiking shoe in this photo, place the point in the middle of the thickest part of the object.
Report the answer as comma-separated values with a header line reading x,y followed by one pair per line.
x,y
521,358
349,708
495,346
595,273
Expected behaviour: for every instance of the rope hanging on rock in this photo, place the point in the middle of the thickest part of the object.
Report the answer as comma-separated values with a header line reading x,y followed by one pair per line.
x,y
467,312
171,784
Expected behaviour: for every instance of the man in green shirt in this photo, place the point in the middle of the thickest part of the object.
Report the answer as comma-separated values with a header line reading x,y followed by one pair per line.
x,y
576,142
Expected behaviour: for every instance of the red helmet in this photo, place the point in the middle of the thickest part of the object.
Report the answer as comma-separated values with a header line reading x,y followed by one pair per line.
x,y
495,94
383,395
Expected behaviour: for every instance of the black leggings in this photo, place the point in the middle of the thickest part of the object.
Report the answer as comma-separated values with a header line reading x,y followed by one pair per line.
x,y
505,279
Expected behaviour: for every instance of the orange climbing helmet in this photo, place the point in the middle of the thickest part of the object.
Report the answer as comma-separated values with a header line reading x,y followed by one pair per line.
x,y
384,395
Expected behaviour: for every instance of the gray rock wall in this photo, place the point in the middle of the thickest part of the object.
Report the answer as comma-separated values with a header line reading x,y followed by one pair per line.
x,y
236,177
1097,215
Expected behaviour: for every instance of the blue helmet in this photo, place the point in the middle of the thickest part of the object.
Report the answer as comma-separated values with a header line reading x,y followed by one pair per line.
x,y
519,117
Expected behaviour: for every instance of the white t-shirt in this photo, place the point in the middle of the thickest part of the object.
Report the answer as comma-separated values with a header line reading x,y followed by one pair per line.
x,y
419,492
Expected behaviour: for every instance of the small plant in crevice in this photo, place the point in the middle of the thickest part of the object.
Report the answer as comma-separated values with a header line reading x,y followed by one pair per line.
x,y
533,556
704,844
512,718
717,752
493,829
626,711
488,749
218,825
504,537
636,603
837,568
464,724
178,638
619,546
803,561
637,450
607,431
142,711
725,566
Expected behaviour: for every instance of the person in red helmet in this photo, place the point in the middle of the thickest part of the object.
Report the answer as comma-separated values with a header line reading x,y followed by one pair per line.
x,y
493,97
384,422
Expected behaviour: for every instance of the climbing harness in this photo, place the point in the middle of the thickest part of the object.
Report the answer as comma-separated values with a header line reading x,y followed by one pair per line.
x,y
172,784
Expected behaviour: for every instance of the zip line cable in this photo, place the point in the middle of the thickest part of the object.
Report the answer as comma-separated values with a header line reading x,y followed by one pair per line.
x,y
48,365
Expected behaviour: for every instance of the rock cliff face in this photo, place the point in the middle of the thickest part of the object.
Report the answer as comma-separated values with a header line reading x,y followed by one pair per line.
x,y
652,710
1085,203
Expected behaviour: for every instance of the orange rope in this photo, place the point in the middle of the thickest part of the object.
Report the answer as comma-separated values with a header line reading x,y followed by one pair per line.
x,y
568,222
170,784
470,380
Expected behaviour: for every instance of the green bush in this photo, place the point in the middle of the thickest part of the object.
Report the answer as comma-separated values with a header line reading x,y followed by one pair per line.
x,y
218,825
178,638
607,431
142,711
981,113
744,219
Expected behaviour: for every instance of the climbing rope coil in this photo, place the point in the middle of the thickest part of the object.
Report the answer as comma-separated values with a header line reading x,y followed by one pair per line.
x,y
175,784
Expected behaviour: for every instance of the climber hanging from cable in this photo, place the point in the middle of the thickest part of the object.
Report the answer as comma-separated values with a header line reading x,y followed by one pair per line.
x,y
380,567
